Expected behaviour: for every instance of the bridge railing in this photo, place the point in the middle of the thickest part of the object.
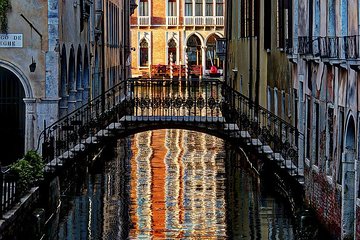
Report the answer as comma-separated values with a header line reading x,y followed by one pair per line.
x,y
264,126
191,101
175,100
73,130
8,191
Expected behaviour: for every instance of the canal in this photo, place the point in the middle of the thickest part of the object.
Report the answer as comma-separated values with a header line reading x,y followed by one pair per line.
x,y
173,184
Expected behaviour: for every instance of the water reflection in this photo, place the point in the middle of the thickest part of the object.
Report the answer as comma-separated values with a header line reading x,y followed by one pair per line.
x,y
174,184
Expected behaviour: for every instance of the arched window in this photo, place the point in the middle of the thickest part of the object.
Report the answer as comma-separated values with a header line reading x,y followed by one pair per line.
x,y
172,9
194,50
144,53
211,57
172,50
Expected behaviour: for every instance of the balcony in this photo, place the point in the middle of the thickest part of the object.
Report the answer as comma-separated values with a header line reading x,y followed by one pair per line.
x,y
172,21
210,21
351,47
219,21
329,47
143,20
308,47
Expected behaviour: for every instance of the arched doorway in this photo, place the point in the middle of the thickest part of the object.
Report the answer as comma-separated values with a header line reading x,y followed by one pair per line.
x,y
211,57
193,50
348,182
86,74
72,81
12,117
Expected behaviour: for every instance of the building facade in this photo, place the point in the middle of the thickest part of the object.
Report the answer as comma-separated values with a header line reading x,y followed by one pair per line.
x,y
165,30
51,62
308,75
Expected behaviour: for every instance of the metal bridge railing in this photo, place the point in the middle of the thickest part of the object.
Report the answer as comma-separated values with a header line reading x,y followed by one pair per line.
x,y
265,126
8,191
80,125
180,101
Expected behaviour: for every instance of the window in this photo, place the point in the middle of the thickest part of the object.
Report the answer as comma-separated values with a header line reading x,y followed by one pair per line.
x,y
209,8
308,127
188,8
198,7
172,9
330,136
268,98
341,144
144,53
267,25
219,7
296,102
283,114
144,8
172,51
317,132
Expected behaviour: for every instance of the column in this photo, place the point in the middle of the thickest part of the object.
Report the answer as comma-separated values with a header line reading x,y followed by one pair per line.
x,y
30,117
203,59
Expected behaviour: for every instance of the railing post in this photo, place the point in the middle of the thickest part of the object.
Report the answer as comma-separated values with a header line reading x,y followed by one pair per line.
x,y
1,192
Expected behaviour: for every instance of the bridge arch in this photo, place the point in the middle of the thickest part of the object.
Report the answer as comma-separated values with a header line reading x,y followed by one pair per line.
x,y
17,103
348,179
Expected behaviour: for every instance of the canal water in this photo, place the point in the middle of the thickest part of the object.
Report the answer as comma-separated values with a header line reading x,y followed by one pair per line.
x,y
172,184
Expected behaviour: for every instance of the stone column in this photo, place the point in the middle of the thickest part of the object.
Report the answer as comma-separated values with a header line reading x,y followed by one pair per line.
x,y
203,59
79,87
30,117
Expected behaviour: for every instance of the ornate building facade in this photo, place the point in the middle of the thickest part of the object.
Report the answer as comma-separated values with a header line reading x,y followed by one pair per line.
x,y
160,29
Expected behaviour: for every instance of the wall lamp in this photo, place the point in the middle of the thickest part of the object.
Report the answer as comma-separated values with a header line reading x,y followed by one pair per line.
x,y
32,66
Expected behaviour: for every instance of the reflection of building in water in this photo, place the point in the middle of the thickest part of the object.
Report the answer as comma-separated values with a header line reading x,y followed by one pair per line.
x,y
187,197
84,214
113,202
253,216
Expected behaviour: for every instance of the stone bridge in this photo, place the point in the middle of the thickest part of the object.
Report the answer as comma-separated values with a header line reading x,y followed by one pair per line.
x,y
208,106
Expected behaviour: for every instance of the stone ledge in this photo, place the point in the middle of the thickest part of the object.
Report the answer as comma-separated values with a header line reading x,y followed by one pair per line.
x,y
17,211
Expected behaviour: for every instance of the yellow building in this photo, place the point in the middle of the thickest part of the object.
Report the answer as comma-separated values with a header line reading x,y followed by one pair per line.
x,y
257,64
160,29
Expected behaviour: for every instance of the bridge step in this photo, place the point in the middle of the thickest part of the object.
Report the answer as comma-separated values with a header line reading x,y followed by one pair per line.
x,y
256,142
78,148
267,149
231,127
90,140
172,118
115,126
104,133
288,164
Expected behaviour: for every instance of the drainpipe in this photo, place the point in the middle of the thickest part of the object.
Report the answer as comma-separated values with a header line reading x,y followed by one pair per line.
x,y
257,77
250,54
103,72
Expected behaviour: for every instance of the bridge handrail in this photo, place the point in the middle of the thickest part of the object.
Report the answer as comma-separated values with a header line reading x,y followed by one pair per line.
x,y
88,112
269,113
203,98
